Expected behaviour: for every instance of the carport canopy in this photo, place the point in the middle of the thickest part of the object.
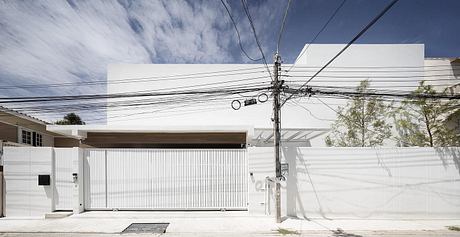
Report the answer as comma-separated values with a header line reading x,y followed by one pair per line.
x,y
263,136
122,136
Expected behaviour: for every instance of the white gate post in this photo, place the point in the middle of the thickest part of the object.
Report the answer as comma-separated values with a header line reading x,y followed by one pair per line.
x,y
53,179
77,173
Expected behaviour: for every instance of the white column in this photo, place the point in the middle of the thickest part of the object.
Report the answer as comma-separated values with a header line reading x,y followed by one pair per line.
x,y
78,203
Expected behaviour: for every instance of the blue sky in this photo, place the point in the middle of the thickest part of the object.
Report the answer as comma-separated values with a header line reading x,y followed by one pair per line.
x,y
71,41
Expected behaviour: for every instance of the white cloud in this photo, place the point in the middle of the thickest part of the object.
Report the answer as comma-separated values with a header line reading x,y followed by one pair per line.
x,y
51,41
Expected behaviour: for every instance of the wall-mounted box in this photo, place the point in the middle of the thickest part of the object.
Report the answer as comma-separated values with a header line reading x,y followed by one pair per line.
x,y
44,179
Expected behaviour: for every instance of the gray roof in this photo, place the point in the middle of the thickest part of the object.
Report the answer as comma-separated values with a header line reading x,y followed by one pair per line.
x,y
22,115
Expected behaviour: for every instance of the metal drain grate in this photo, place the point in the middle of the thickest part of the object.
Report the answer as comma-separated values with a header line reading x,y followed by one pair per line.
x,y
146,228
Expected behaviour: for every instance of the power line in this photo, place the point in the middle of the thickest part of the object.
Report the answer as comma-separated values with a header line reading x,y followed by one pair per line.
x,y
251,23
382,76
399,66
282,27
388,7
383,99
310,91
187,101
376,81
125,95
163,115
165,102
238,33
317,34
376,70
374,86
145,79
137,102
174,109
241,71
311,114
86,104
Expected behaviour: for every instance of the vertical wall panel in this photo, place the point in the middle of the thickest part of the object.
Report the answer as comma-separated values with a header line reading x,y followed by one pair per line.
x,y
166,178
22,165
95,179
63,193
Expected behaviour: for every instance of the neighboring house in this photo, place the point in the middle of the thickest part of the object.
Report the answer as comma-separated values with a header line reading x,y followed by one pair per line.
x,y
448,81
444,74
19,129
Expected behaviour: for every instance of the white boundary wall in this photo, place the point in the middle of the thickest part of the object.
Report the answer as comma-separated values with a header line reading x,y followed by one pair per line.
x,y
358,183
22,165
361,183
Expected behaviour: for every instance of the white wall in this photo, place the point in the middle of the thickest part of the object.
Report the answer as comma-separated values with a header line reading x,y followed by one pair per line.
x,y
22,165
389,183
399,183
219,112
261,164
24,197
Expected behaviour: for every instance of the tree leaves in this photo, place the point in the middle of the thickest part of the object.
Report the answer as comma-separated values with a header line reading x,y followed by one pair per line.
x,y
362,122
422,122
70,119
418,122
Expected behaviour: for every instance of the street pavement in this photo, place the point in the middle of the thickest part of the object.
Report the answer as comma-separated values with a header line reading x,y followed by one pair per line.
x,y
240,224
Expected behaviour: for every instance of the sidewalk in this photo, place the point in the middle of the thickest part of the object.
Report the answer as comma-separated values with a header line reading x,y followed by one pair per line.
x,y
225,223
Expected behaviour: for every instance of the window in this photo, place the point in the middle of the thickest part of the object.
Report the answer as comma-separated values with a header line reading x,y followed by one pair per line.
x,y
31,138
38,140
26,137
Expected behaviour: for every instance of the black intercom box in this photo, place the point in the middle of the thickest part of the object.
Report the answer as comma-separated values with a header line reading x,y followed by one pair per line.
x,y
43,179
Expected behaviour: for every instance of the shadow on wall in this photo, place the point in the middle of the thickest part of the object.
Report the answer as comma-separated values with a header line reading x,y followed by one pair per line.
x,y
447,153
372,182
293,201
55,195
86,181
48,191
294,204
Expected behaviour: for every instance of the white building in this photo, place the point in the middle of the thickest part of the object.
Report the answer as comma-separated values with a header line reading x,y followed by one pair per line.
x,y
359,62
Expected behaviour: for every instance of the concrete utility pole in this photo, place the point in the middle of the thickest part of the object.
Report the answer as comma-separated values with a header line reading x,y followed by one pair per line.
x,y
277,84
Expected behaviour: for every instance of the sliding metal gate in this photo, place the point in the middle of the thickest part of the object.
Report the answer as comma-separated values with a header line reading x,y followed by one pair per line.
x,y
165,179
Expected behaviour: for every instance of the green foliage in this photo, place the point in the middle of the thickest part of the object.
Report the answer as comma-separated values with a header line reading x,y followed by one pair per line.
x,y
70,119
361,123
422,122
